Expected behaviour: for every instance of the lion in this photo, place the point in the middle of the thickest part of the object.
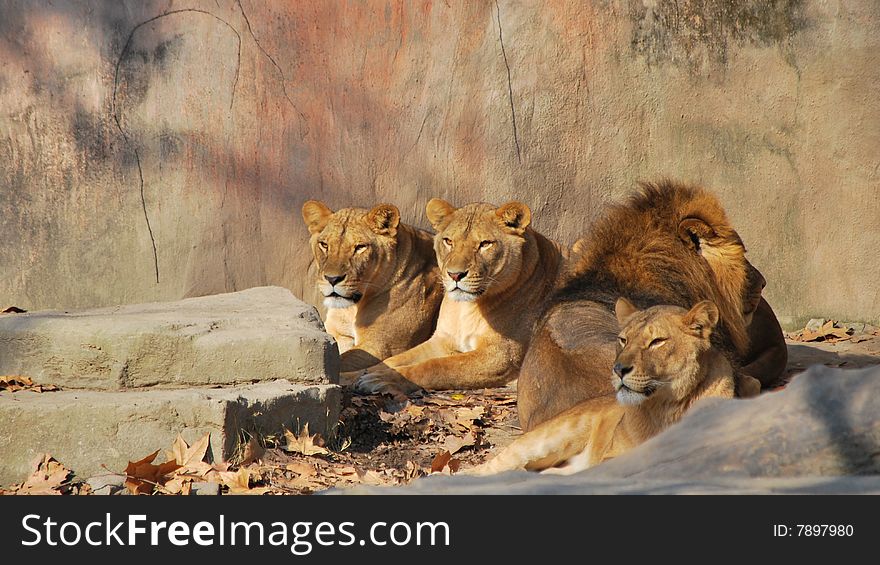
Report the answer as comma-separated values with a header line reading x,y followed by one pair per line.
x,y
669,244
379,280
665,362
497,272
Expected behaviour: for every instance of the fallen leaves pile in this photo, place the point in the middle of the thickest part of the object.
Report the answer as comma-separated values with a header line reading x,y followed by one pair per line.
x,y
379,441
49,477
831,331
13,383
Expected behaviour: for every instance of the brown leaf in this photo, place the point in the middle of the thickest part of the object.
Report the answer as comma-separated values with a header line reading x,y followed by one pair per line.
x,y
302,468
414,412
49,477
304,443
14,383
444,463
828,332
240,482
386,416
372,478
454,443
464,417
253,451
142,477
189,455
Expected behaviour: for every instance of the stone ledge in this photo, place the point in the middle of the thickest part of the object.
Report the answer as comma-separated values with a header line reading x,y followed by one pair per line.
x,y
259,334
85,429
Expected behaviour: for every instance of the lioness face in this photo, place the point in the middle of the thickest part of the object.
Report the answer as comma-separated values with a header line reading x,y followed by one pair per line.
x,y
659,350
479,247
353,248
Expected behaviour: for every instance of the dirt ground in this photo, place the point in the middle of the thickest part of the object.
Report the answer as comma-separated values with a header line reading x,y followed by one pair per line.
x,y
394,441
383,440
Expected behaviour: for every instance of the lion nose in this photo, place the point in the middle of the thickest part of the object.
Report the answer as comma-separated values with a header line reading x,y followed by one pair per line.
x,y
457,276
334,279
621,371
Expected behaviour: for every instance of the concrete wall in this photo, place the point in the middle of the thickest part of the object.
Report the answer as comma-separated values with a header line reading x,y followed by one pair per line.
x,y
157,149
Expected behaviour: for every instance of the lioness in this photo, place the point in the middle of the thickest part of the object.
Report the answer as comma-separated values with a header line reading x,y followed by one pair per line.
x,y
665,362
497,272
670,244
379,280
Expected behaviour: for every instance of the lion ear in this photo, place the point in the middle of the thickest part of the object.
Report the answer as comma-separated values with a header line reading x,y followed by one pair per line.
x,y
695,233
624,309
384,219
437,211
515,216
702,318
316,215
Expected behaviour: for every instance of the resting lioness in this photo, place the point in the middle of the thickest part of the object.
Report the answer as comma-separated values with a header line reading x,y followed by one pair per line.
x,y
379,280
665,362
669,244
497,272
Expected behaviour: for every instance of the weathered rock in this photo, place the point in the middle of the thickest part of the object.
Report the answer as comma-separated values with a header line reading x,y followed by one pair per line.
x,y
856,327
106,484
522,482
87,429
815,324
260,334
152,151
205,489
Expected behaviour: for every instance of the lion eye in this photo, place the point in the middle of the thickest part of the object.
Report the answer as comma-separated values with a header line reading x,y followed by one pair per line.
x,y
657,342
621,340
485,244
447,241
360,247
323,245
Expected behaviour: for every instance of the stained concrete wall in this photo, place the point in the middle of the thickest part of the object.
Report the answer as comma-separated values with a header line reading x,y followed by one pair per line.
x,y
157,149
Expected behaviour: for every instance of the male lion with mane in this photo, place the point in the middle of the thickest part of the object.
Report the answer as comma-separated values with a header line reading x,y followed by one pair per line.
x,y
669,244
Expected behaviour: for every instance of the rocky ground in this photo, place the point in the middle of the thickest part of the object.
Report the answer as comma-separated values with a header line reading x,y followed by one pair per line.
x,y
385,441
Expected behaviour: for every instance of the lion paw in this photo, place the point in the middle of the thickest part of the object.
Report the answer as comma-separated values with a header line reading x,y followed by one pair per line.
x,y
379,383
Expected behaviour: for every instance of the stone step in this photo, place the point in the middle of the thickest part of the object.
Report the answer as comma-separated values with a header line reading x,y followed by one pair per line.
x,y
87,429
257,334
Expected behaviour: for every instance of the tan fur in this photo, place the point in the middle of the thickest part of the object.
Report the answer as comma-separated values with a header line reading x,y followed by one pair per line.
x,y
390,294
665,362
486,317
669,244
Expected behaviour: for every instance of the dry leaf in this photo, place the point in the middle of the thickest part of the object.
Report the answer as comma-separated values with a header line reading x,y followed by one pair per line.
x,y
386,417
454,444
302,468
371,478
305,443
240,482
142,477
444,463
253,451
828,332
14,383
49,477
189,456
464,417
